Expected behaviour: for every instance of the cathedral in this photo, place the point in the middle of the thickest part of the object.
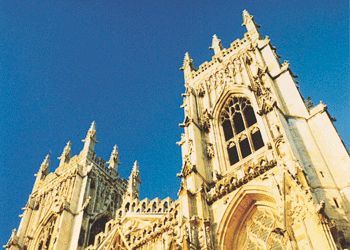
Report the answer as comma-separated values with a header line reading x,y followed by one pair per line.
x,y
262,168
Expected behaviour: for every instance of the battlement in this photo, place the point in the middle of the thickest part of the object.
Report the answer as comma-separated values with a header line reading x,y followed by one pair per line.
x,y
145,206
161,215
235,49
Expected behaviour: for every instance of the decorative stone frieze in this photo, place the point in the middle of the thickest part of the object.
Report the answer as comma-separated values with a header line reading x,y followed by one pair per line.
x,y
231,183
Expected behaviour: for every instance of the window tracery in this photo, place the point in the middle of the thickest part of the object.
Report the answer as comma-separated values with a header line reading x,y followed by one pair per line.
x,y
241,132
258,232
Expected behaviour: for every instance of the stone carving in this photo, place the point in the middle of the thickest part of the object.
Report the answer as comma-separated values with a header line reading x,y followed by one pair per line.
x,y
193,236
208,237
186,232
247,58
210,151
201,90
230,183
206,120
86,203
216,175
267,104
66,154
230,70
201,238
188,167
264,96
13,240
308,103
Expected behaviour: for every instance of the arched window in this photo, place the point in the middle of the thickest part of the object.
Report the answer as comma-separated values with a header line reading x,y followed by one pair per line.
x,y
242,135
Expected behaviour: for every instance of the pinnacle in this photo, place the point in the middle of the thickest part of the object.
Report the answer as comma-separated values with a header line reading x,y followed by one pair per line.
x,y
215,38
93,126
114,156
246,17
187,57
216,44
136,166
91,133
245,13
115,149
46,160
187,62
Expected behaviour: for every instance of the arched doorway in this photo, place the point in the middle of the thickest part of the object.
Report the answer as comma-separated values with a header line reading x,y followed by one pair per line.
x,y
251,222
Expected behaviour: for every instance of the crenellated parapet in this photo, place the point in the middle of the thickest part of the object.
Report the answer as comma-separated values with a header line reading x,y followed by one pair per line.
x,y
142,222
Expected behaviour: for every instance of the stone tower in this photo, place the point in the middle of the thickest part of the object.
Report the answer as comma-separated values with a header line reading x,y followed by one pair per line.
x,y
69,206
262,168
263,165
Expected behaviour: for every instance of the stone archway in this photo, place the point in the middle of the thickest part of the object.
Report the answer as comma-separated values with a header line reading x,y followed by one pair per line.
x,y
249,221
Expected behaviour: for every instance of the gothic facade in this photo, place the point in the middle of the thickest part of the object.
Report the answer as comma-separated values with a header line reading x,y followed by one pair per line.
x,y
262,168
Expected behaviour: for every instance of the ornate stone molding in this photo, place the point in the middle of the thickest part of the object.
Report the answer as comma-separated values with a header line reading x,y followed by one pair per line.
x,y
230,183
188,167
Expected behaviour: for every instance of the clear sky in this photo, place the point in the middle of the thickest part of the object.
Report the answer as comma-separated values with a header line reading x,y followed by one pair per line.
x,y
65,64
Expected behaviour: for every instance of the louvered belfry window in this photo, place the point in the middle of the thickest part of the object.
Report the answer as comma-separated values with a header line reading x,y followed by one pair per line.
x,y
241,131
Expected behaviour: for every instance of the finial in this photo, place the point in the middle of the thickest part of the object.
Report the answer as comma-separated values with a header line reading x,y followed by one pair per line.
x,y
216,45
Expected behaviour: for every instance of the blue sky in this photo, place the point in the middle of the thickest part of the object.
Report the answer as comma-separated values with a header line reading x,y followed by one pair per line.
x,y
65,64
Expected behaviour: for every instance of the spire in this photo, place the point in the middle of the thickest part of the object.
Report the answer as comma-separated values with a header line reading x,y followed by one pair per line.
x,y
90,139
216,45
66,154
114,159
252,27
187,65
134,181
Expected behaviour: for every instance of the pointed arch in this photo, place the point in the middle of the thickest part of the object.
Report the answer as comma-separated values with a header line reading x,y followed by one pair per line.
x,y
98,226
242,208
239,130
45,232
232,90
